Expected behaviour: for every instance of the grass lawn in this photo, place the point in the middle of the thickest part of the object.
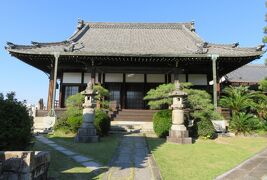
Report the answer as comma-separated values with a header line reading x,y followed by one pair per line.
x,y
205,159
101,152
62,167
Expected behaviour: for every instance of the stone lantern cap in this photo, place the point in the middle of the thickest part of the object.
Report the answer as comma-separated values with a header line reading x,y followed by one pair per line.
x,y
89,91
177,92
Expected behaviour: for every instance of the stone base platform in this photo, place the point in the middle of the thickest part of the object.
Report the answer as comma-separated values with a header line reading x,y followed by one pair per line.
x,y
179,137
86,135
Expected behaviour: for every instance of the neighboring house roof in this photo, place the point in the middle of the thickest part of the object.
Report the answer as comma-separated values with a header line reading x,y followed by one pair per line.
x,y
136,39
251,73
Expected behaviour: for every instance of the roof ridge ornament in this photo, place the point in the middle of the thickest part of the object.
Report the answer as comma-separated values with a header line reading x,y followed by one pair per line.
x,y
236,44
260,47
10,45
80,24
193,29
35,44
203,48
72,45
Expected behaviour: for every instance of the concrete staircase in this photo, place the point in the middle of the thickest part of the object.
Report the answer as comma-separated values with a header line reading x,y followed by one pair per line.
x,y
133,120
135,115
43,124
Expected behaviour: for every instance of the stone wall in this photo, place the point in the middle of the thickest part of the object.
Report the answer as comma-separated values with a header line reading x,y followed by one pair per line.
x,y
24,165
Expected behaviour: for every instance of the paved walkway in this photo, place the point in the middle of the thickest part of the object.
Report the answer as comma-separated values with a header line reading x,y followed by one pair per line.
x,y
83,160
254,168
132,160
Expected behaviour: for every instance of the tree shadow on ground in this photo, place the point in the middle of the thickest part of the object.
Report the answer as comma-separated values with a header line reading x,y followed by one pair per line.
x,y
121,156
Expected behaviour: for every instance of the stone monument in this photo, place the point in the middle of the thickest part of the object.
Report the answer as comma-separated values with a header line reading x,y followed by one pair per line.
x,y
178,132
87,131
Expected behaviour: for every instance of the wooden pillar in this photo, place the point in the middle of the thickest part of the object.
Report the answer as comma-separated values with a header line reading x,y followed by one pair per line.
x,y
52,111
214,77
60,92
123,92
93,75
50,89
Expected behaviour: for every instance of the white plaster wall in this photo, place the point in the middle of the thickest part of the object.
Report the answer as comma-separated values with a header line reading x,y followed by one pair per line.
x,y
113,77
197,79
135,78
182,77
70,77
155,78
87,77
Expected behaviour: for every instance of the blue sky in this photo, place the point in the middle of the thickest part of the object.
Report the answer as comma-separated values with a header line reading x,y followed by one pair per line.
x,y
225,21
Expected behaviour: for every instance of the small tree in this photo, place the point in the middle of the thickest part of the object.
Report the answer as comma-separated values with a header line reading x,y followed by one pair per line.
x,y
15,123
199,101
101,96
71,120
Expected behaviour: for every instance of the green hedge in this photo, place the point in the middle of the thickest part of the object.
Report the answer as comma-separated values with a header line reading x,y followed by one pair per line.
x,y
15,124
162,122
102,122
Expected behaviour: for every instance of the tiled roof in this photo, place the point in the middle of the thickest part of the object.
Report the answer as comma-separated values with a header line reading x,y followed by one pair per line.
x,y
249,73
136,39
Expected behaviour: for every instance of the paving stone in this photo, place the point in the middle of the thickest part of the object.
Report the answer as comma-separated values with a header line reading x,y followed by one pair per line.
x,y
85,161
53,145
60,148
91,165
68,153
254,168
131,160
79,158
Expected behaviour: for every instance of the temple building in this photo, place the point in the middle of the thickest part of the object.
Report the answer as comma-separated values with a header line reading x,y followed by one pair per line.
x,y
131,58
247,75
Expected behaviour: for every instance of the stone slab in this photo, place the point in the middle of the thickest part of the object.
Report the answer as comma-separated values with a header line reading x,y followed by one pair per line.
x,y
179,140
68,153
60,148
80,158
91,165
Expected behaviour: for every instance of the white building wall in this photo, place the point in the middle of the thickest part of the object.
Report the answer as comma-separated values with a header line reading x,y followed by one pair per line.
x,y
70,77
198,79
87,77
155,78
181,77
113,77
135,78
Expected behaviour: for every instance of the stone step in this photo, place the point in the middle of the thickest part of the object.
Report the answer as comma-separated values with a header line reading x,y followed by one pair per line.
x,y
43,124
131,126
134,115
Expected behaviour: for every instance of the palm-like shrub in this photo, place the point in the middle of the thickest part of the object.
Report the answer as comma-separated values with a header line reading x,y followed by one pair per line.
x,y
263,85
245,123
237,98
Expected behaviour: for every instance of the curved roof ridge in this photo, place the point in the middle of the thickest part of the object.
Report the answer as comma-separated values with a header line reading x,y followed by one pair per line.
x,y
138,25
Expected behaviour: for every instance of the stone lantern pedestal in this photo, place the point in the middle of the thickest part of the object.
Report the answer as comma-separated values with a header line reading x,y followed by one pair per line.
x,y
178,132
87,131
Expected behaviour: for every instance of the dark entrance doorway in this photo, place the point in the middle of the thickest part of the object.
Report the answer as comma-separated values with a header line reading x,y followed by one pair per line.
x,y
134,96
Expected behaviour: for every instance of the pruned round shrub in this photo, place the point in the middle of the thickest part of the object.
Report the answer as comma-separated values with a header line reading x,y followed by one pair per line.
x,y
162,122
15,124
101,122
74,122
205,128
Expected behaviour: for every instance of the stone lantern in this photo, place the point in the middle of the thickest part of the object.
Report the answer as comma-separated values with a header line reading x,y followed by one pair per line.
x,y
178,132
87,131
